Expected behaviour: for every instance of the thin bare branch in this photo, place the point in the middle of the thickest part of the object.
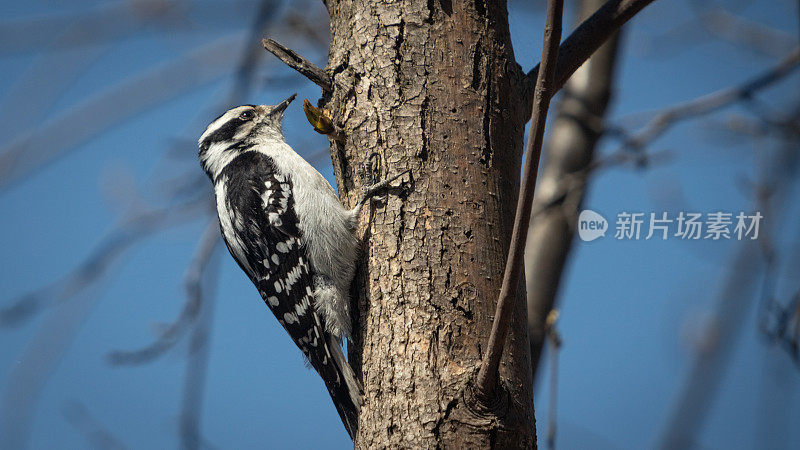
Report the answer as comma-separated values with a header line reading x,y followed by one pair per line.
x,y
585,40
487,376
298,63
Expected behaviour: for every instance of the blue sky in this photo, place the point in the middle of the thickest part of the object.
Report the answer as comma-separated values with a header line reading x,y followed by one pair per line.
x,y
628,307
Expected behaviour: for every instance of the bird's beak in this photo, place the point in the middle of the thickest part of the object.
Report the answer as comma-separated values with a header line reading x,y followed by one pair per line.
x,y
283,105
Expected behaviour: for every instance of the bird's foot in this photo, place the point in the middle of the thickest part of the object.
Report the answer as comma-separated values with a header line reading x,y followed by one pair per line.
x,y
374,190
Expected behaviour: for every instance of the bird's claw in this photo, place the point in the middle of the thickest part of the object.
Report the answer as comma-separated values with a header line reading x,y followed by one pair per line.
x,y
372,191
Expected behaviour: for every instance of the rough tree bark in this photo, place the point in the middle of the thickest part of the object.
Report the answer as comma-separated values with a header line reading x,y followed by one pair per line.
x,y
432,87
565,172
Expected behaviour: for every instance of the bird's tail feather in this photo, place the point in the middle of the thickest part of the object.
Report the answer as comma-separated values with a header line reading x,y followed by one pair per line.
x,y
347,394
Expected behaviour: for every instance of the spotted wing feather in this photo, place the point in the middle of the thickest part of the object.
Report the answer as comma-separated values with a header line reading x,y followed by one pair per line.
x,y
263,237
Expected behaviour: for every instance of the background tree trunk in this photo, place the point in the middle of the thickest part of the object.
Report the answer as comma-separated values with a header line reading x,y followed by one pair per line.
x,y
559,194
432,87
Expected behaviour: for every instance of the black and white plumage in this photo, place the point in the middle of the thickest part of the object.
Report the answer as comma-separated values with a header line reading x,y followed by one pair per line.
x,y
287,230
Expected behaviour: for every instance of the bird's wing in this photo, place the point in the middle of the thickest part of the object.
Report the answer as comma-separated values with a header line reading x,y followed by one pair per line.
x,y
266,225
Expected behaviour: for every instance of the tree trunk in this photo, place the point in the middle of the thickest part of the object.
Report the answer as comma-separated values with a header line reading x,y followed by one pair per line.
x,y
559,194
432,87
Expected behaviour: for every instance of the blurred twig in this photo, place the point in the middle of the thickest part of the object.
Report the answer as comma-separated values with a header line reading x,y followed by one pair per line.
x,y
110,22
45,142
713,20
668,117
191,309
31,98
106,23
81,287
554,339
203,298
99,262
781,324
95,434
42,143
697,395
33,368
743,32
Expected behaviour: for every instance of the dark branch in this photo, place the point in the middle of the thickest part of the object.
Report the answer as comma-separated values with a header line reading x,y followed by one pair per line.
x,y
300,64
586,39
487,376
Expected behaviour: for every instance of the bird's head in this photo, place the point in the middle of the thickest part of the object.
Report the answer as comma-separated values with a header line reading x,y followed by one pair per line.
x,y
237,131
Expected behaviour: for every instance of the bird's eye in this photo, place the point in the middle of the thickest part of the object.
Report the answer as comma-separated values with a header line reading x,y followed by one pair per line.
x,y
247,115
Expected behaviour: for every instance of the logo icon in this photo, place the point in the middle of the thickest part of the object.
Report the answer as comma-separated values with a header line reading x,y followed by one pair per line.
x,y
591,225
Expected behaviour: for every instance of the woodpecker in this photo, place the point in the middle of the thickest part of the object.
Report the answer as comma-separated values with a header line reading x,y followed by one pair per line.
x,y
286,228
